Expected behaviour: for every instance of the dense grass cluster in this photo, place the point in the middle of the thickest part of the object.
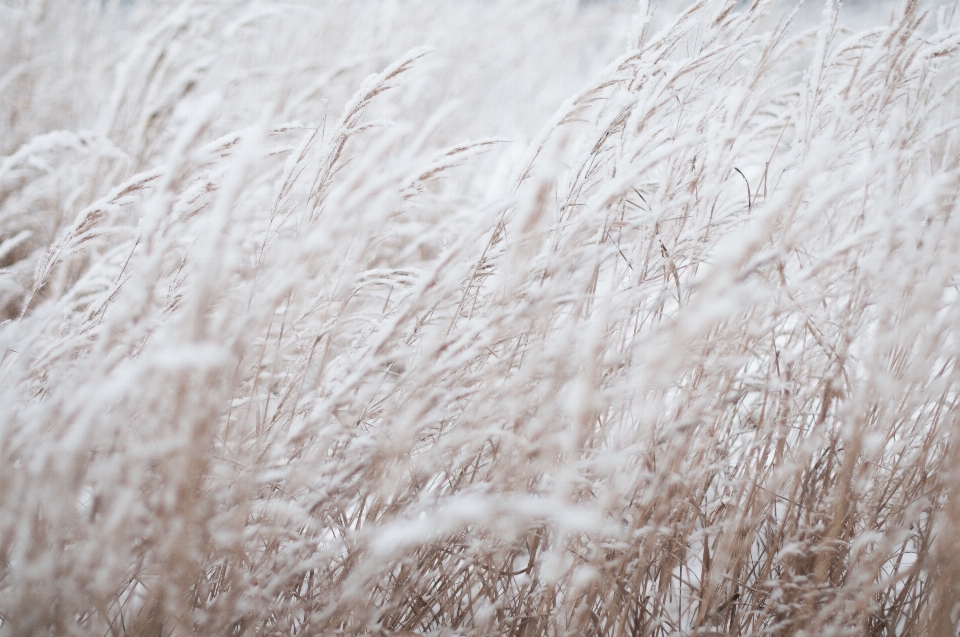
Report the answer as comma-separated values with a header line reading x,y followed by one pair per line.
x,y
287,351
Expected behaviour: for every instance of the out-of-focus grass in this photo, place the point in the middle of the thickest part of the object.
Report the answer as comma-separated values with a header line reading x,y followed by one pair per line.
x,y
589,319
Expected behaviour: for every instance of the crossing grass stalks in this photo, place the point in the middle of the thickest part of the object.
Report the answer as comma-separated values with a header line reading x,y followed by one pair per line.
x,y
276,360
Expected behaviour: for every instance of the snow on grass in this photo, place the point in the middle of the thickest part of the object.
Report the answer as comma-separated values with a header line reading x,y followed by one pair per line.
x,y
583,319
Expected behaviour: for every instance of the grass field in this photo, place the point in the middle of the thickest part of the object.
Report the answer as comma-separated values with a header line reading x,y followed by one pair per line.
x,y
479,318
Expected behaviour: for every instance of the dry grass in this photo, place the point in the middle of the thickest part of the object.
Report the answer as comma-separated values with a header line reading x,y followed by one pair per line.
x,y
691,370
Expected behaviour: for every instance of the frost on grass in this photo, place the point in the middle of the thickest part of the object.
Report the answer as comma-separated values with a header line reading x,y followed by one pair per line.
x,y
279,360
